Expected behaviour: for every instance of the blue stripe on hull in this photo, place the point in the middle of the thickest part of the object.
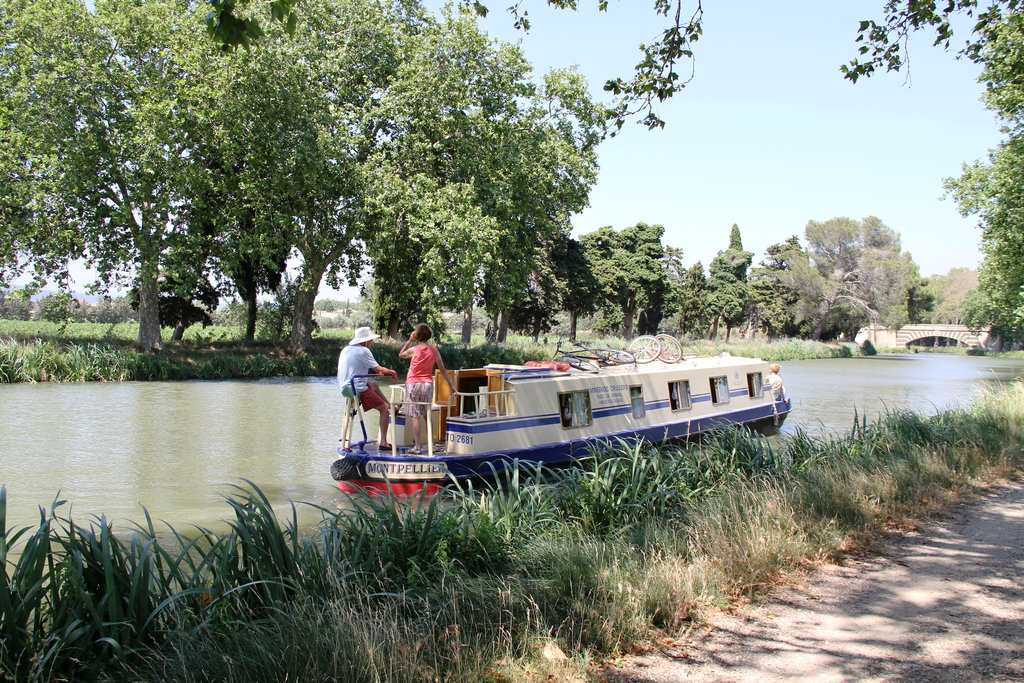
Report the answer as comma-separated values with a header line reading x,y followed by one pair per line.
x,y
439,468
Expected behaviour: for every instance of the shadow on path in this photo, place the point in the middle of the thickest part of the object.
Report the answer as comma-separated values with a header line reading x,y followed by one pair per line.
x,y
945,604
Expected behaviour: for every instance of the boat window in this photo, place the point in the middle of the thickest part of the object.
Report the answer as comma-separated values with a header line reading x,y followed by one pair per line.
x,y
574,407
754,384
636,400
720,389
679,395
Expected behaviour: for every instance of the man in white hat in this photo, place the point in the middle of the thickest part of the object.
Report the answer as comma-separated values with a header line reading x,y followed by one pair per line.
x,y
356,359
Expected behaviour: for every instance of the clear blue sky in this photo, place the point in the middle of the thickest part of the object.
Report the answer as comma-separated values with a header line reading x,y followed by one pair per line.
x,y
768,135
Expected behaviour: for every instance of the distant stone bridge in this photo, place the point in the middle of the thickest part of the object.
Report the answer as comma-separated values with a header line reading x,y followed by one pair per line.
x,y
883,336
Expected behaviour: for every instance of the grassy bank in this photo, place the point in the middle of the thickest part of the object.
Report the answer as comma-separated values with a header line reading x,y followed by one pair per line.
x,y
38,351
542,577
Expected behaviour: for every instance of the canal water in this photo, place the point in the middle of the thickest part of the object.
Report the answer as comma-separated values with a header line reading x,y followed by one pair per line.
x,y
178,448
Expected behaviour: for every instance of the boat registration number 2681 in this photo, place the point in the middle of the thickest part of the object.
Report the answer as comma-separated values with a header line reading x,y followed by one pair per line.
x,y
459,438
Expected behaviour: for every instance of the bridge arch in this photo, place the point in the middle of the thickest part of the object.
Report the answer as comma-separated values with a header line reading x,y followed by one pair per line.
x,y
959,337
904,336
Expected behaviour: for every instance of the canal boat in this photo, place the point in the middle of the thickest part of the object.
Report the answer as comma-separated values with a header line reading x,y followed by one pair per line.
x,y
553,415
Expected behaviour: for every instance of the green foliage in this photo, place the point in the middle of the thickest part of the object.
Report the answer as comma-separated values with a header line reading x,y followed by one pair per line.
x,y
620,485
14,307
76,599
58,309
694,305
854,268
455,213
105,190
773,302
330,305
992,191
545,291
655,78
951,291
921,298
885,42
44,361
276,315
728,289
581,286
628,266
411,545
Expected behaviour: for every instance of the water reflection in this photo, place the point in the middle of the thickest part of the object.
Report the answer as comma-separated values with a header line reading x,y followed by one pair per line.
x,y
177,447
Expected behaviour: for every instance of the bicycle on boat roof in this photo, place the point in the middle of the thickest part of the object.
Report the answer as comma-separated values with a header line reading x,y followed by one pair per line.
x,y
583,357
663,347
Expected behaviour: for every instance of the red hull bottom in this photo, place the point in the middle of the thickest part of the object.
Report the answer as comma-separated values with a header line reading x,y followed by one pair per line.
x,y
381,488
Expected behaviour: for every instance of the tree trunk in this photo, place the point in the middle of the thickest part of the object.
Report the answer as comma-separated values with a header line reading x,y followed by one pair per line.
x,y
713,332
393,325
251,311
728,331
149,309
573,318
243,274
753,322
492,329
502,326
179,332
467,324
628,313
302,321
821,326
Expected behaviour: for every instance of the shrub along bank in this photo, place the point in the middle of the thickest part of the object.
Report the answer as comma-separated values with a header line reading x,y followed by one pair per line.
x,y
104,359
635,543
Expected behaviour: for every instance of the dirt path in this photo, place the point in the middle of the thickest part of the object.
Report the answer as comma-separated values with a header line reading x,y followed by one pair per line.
x,y
946,603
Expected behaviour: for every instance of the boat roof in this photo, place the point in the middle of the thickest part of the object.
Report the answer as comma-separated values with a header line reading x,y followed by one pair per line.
x,y
520,373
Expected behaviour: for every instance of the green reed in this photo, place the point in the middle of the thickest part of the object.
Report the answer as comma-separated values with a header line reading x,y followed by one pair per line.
x,y
781,350
74,599
43,361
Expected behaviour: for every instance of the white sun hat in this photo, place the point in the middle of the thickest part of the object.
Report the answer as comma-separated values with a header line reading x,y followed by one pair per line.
x,y
363,334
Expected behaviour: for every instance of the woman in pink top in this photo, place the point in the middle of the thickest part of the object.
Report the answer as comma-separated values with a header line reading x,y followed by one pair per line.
x,y
419,383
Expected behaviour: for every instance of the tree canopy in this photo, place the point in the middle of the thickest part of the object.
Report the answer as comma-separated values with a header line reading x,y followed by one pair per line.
x,y
101,108
727,284
994,191
656,77
373,132
883,43
628,265
857,267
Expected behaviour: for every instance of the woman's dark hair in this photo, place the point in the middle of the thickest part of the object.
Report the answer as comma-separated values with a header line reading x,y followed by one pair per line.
x,y
422,332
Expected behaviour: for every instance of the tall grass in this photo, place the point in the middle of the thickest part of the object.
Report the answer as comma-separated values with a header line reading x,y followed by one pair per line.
x,y
633,541
43,361
788,349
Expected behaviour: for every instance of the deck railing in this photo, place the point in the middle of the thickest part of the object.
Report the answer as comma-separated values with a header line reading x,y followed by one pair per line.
x,y
477,405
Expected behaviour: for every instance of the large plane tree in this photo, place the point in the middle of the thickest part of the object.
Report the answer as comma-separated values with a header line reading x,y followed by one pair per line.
x,y
480,164
98,121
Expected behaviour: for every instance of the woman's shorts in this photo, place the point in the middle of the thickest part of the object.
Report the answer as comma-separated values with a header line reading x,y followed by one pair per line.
x,y
416,395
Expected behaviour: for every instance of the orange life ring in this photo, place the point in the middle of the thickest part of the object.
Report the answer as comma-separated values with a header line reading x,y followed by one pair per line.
x,y
549,364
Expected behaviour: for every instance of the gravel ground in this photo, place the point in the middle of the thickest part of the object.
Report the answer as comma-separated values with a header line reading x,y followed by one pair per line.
x,y
944,603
